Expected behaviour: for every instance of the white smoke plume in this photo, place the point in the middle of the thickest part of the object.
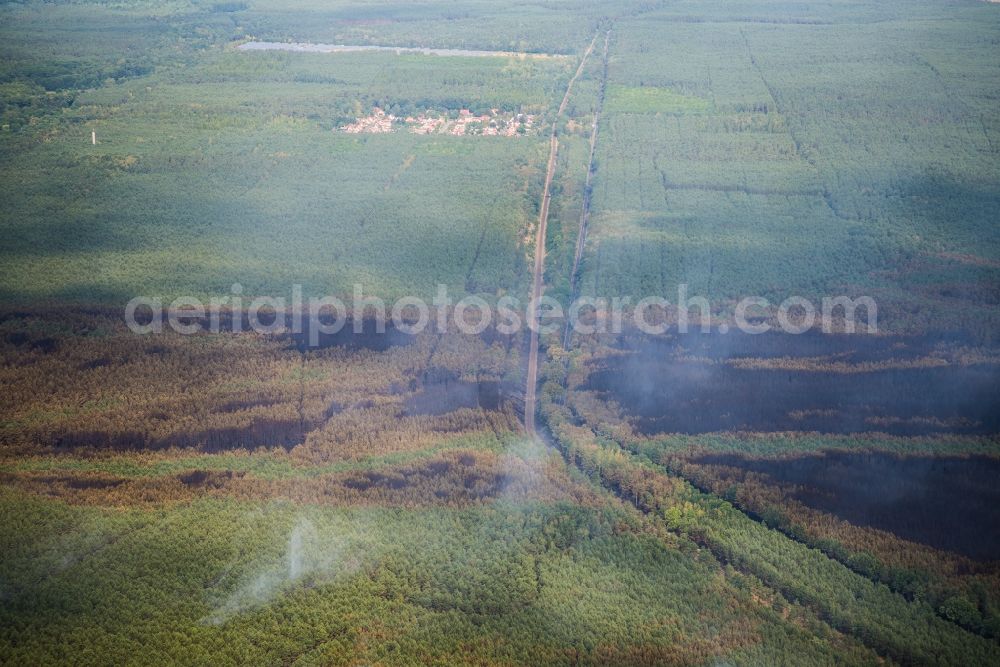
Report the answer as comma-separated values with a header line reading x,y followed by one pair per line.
x,y
309,558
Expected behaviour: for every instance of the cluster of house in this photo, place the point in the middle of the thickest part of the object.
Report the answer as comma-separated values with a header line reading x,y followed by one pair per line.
x,y
493,124
379,122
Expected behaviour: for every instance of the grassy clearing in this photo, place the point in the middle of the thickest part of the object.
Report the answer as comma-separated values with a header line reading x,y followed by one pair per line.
x,y
650,100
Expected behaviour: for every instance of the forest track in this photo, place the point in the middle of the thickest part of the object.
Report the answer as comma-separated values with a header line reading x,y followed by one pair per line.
x,y
581,237
538,277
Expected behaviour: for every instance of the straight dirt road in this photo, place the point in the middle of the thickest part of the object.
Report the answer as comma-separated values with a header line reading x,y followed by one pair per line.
x,y
538,278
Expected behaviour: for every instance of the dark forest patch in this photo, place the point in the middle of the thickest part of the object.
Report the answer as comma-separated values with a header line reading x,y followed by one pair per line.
x,y
849,348
369,335
686,387
208,479
84,483
259,432
91,364
453,478
949,503
441,393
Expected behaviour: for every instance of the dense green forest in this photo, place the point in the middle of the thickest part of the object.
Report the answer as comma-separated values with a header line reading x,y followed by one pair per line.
x,y
246,498
832,149
877,149
219,152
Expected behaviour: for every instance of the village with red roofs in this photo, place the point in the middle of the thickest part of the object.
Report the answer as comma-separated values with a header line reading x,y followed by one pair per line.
x,y
493,124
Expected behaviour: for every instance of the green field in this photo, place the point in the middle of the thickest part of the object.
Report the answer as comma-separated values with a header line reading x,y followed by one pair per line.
x,y
239,498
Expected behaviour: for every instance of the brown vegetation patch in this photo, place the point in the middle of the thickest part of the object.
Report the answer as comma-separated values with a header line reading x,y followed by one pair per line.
x,y
454,479
102,388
